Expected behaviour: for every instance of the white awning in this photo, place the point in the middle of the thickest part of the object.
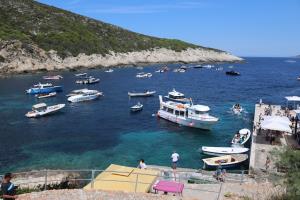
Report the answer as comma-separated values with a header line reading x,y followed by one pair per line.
x,y
276,126
279,119
293,98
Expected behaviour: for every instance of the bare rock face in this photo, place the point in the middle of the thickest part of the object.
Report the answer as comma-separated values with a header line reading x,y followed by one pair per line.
x,y
16,57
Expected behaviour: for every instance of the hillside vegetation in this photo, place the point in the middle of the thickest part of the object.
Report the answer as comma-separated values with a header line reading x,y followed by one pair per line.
x,y
70,34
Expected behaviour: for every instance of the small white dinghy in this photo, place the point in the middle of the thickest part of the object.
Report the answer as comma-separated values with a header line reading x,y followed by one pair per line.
x,y
109,71
42,109
237,109
221,151
241,138
137,107
41,96
141,94
81,74
143,75
227,161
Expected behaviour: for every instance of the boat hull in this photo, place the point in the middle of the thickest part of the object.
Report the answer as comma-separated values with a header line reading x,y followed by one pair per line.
x,y
44,90
80,98
221,151
206,125
50,110
211,163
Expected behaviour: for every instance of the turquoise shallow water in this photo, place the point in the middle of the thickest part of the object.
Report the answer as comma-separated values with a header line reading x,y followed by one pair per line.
x,y
98,133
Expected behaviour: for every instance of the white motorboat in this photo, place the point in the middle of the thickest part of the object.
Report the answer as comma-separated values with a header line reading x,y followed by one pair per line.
x,y
188,114
137,107
182,70
76,92
221,151
109,71
141,94
84,95
143,75
241,138
81,74
42,109
90,80
51,94
177,96
227,161
237,109
56,77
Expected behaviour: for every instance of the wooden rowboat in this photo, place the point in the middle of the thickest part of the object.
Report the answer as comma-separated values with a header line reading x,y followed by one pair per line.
x,y
227,161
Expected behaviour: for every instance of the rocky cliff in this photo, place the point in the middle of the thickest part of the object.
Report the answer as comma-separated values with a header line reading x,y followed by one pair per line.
x,y
34,36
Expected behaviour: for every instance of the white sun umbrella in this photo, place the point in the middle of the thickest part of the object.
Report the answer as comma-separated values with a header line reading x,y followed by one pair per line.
x,y
276,126
280,119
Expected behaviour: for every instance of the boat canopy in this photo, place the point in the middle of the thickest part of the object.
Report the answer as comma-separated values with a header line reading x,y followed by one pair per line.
x,y
292,98
200,108
40,105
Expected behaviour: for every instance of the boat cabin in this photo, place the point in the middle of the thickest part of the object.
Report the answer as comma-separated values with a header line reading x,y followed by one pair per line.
x,y
176,95
185,110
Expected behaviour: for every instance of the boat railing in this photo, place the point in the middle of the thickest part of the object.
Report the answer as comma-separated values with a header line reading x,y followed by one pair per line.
x,y
53,179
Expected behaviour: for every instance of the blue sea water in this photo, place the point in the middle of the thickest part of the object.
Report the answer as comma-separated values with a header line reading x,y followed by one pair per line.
x,y
97,133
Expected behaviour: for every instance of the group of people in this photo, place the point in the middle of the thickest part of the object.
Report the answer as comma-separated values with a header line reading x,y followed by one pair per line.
x,y
238,138
174,158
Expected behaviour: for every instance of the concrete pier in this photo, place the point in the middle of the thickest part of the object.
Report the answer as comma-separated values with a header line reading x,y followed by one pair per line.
x,y
260,148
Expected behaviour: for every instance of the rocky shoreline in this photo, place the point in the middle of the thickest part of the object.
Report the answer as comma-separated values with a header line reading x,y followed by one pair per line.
x,y
16,57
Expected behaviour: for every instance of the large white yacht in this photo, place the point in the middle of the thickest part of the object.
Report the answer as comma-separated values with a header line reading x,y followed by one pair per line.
x,y
84,95
187,114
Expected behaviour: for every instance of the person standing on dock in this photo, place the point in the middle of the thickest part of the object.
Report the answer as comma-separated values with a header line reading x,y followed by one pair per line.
x,y
175,159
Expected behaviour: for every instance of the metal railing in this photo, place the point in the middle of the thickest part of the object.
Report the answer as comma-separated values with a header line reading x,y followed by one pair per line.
x,y
44,178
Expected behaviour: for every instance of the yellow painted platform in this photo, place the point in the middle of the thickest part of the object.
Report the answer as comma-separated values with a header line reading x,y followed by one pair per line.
x,y
122,178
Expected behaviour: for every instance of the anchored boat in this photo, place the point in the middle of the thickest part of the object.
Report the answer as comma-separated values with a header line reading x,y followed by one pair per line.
x,y
56,77
143,75
177,96
221,151
109,71
84,95
188,114
137,107
90,80
81,74
232,73
141,94
227,161
41,96
44,89
42,109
